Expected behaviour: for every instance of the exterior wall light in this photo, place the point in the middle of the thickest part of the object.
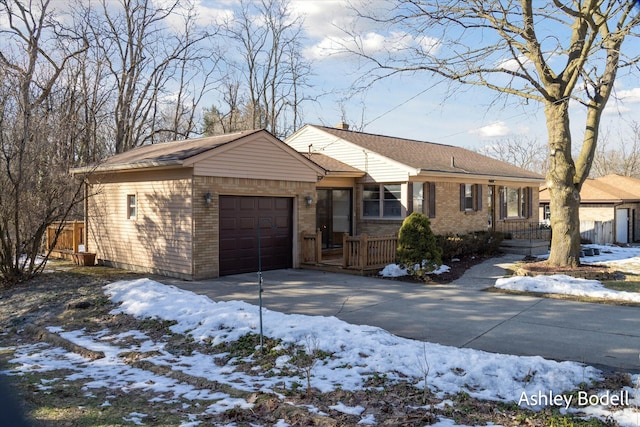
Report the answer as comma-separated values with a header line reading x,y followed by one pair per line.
x,y
308,200
207,199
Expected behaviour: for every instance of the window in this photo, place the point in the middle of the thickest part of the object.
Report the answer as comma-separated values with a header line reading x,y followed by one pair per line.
x,y
516,202
467,197
423,198
470,197
131,206
417,190
382,201
513,202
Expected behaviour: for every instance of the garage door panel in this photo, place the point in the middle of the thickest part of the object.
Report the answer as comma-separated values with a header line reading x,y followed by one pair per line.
x,y
246,223
246,203
239,234
227,203
228,223
281,204
265,203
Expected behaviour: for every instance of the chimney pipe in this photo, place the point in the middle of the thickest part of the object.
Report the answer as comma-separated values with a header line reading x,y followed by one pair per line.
x,y
453,162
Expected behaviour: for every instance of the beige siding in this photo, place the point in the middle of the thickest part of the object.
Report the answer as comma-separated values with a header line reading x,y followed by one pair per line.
x,y
378,168
158,239
597,212
257,158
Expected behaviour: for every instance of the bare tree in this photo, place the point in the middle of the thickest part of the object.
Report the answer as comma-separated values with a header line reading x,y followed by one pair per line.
x,y
551,52
35,188
624,159
272,65
521,151
144,57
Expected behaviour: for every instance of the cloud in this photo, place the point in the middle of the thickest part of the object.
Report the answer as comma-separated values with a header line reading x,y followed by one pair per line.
x,y
631,96
493,130
334,30
513,64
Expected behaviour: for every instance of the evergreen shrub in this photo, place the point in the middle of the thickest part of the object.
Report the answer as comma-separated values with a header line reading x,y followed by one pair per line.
x,y
417,245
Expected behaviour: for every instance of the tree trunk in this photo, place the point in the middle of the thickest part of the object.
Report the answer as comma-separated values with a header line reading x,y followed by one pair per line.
x,y
564,191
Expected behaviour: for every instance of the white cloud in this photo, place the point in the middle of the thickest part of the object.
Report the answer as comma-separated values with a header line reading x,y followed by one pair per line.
x,y
493,130
513,64
629,95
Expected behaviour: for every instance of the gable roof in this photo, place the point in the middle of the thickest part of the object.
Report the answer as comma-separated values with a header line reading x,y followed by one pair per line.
x,y
429,157
186,152
605,189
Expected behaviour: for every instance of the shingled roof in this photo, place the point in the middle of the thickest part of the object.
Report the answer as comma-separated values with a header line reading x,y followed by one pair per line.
x,y
606,189
333,166
170,153
429,156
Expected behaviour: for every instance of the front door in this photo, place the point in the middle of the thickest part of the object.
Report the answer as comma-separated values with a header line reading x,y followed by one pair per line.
x,y
333,215
622,225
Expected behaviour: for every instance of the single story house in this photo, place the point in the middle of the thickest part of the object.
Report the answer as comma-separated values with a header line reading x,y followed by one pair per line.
x,y
203,207
609,208
206,207
373,182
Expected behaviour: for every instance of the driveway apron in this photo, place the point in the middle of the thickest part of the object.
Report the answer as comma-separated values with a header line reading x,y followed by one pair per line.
x,y
460,314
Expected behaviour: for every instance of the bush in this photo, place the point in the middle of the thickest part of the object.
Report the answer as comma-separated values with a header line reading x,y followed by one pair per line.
x,y
417,244
472,244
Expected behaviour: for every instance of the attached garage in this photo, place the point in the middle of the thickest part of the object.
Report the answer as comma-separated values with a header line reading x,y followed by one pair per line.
x,y
191,209
247,222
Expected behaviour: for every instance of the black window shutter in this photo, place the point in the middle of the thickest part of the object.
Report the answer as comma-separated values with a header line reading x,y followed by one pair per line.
x,y
503,210
478,197
432,200
462,197
410,197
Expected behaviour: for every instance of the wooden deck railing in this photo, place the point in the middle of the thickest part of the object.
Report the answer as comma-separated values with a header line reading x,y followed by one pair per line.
x,y
362,252
368,252
312,247
70,237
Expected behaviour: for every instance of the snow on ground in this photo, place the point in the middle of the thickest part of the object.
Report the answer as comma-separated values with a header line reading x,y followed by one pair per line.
x,y
358,353
395,270
625,260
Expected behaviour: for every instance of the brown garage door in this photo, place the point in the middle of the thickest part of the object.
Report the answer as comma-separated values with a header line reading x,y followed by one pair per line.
x,y
239,220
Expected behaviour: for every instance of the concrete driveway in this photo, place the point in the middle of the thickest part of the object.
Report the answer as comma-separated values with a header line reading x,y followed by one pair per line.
x,y
459,314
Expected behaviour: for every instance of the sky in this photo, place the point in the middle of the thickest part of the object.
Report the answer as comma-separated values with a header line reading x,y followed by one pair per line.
x,y
358,352
414,106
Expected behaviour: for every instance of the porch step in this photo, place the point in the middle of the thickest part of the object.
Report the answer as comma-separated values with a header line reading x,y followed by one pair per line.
x,y
525,247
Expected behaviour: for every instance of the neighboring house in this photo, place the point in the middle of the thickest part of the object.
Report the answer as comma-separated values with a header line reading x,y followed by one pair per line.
x,y
194,209
609,208
373,182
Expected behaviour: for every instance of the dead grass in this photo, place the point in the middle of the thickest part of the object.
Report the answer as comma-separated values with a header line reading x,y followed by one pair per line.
x,y
72,299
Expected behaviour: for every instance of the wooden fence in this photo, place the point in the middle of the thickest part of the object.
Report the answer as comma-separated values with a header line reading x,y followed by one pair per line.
x,y
598,232
70,238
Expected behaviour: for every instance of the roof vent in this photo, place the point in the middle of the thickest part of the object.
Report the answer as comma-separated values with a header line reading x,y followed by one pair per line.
x,y
453,162
342,126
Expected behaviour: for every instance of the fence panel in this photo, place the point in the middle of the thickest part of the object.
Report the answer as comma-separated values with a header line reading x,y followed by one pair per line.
x,y
69,239
598,232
